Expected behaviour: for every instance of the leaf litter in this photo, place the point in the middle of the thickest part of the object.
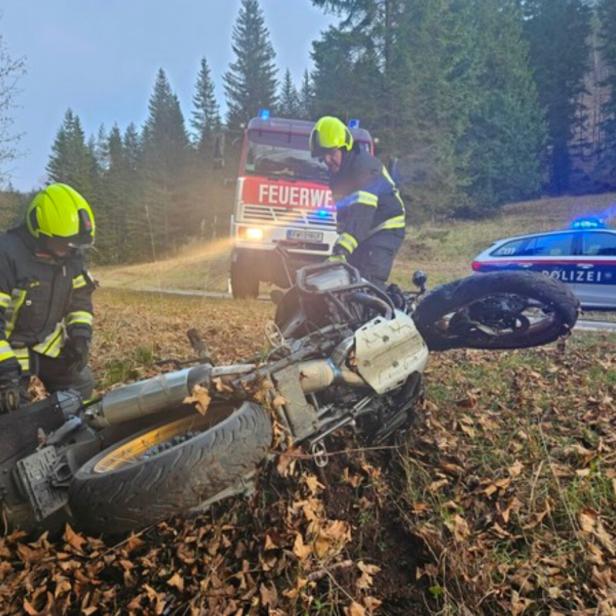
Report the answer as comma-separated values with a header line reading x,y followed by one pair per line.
x,y
502,498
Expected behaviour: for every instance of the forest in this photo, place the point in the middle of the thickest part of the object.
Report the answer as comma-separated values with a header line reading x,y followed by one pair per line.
x,y
493,101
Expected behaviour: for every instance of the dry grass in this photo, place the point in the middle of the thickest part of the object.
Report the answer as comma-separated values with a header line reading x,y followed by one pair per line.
x,y
444,251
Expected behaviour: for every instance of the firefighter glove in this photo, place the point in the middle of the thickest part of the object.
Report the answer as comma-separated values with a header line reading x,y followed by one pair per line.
x,y
339,258
76,352
9,386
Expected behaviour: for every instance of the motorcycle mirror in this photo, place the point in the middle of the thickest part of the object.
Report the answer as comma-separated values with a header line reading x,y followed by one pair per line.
x,y
419,279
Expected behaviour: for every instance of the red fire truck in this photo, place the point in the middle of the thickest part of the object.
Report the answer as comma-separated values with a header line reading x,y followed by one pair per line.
x,y
282,198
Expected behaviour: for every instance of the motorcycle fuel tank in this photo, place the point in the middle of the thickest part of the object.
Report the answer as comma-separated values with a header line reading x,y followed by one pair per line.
x,y
388,351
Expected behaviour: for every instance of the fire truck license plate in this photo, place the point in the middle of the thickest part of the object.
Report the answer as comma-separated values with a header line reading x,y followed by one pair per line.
x,y
304,236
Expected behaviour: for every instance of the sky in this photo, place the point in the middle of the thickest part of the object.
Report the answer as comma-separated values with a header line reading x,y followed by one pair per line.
x,y
100,58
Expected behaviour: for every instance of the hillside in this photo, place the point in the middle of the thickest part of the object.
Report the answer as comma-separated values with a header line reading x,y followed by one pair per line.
x,y
443,250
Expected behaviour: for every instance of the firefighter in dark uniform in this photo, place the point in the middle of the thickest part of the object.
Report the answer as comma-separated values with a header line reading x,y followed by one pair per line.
x,y
45,297
370,212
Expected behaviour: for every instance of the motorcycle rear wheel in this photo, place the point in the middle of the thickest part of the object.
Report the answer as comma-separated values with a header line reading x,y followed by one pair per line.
x,y
497,310
169,469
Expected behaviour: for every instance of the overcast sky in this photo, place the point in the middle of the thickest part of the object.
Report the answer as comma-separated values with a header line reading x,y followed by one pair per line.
x,y
100,58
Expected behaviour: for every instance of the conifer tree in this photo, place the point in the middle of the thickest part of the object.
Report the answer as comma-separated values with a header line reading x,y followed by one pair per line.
x,y
72,161
250,82
558,33
507,133
165,159
607,17
206,114
111,213
137,243
306,97
289,102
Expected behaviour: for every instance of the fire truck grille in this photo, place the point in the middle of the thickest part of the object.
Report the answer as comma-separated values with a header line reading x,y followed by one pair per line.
x,y
285,216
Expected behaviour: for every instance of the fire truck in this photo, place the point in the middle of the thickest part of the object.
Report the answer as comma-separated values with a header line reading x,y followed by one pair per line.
x,y
283,199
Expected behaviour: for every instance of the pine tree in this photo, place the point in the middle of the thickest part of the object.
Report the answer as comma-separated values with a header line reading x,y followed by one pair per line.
x,y
507,132
137,243
111,213
558,33
607,17
250,82
165,159
72,161
289,101
206,114
413,67
306,97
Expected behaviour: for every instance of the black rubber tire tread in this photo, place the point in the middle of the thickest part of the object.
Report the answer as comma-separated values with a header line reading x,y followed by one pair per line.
x,y
174,480
449,297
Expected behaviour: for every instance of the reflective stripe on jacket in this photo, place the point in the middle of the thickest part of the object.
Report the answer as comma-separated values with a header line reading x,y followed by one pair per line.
x,y
367,201
42,300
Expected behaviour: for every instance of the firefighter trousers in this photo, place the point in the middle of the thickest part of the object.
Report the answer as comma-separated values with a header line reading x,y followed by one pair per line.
x,y
375,256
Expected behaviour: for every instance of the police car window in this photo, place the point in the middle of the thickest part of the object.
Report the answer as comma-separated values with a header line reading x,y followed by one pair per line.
x,y
557,245
510,249
599,244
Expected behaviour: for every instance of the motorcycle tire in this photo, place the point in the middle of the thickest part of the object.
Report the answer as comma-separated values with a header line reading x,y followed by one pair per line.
x,y
169,469
455,297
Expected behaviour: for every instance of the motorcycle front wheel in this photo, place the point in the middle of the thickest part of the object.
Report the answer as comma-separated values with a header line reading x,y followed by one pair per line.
x,y
169,469
496,310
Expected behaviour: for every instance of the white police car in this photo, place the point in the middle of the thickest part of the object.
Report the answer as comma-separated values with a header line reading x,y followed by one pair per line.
x,y
583,256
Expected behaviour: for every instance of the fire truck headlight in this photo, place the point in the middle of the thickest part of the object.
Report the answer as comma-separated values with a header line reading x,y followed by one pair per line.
x,y
254,234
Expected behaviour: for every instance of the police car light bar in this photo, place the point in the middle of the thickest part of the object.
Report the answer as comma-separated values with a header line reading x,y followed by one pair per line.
x,y
588,222
264,114
354,123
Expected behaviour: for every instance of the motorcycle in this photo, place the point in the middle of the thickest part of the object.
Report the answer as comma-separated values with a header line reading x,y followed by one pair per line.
x,y
342,353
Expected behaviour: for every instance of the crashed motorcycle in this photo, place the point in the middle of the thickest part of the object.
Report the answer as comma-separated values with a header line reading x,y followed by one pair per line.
x,y
342,353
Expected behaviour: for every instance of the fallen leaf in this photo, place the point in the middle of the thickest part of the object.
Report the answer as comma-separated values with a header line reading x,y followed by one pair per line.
x,y
74,539
200,398
365,581
355,609
300,549
176,581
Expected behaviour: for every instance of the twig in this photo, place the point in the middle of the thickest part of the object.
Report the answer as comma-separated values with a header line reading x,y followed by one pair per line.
x,y
534,485
321,573
333,579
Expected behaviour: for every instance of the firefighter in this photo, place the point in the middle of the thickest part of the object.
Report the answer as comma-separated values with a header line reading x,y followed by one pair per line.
x,y
370,212
45,297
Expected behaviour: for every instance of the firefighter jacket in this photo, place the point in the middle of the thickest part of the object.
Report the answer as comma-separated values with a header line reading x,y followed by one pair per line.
x,y
367,202
43,301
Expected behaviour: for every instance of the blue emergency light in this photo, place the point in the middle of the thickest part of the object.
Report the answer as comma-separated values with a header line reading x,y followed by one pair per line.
x,y
264,114
588,222
354,123
322,213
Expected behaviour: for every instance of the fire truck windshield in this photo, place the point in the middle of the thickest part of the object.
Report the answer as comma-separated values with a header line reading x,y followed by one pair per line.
x,y
282,155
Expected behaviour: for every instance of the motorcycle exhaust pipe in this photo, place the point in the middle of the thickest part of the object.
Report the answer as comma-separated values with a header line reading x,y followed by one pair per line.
x,y
155,395
317,374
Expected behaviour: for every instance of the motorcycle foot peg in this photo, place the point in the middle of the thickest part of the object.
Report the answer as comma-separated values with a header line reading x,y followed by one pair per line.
x,y
319,454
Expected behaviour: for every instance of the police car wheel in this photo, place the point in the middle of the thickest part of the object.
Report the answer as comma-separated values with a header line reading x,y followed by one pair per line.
x,y
499,310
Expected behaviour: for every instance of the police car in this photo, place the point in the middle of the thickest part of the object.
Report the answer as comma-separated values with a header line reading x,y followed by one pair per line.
x,y
583,256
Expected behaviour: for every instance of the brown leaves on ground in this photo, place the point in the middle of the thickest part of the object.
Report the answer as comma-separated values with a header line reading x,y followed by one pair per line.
x,y
503,501
514,495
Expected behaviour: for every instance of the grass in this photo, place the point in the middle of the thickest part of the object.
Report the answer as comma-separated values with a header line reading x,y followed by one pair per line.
x,y
444,250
